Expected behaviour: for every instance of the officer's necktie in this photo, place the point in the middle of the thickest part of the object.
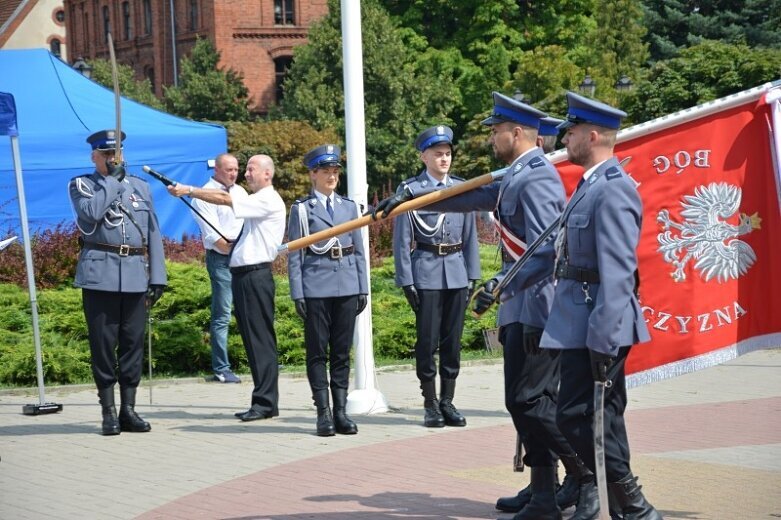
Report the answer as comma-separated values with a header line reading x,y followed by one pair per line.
x,y
328,207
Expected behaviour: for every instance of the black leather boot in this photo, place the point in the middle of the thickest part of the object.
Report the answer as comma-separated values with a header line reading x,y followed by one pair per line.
x,y
588,500
343,423
631,501
433,417
576,472
449,412
543,503
515,503
129,421
325,421
110,424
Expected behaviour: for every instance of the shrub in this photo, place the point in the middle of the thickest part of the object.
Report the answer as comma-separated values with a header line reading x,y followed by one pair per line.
x,y
54,255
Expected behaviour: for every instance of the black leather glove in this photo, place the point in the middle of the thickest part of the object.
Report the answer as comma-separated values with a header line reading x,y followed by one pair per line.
x,y
116,170
301,308
485,297
361,304
600,364
470,289
153,294
412,297
385,206
531,339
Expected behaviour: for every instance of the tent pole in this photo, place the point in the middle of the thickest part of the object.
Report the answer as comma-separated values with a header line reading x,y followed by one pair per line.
x,y
42,406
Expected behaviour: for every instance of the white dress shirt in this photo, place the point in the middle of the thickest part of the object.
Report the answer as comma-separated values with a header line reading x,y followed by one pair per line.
x,y
264,227
221,217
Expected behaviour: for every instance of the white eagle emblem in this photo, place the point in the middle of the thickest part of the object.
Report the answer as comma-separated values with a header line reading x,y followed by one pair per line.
x,y
707,237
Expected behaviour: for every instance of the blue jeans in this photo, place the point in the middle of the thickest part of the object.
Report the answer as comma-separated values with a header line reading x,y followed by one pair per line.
x,y
222,299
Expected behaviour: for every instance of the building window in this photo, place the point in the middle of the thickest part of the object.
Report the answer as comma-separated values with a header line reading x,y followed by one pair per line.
x,y
86,31
284,12
193,15
127,21
59,16
147,17
55,46
149,73
106,23
281,66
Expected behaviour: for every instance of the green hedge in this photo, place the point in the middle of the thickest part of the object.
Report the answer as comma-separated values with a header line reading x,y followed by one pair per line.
x,y
180,338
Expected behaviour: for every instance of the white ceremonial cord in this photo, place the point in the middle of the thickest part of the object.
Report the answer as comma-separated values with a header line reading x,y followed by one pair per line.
x,y
425,229
303,219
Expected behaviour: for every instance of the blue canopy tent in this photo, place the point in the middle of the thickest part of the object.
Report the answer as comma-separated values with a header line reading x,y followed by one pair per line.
x,y
58,108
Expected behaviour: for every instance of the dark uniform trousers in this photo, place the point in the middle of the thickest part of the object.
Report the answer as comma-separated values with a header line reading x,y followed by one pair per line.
x,y
576,411
439,323
115,318
334,319
253,299
531,394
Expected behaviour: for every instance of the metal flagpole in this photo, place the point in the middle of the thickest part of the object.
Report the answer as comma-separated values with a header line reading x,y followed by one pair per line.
x,y
8,127
365,398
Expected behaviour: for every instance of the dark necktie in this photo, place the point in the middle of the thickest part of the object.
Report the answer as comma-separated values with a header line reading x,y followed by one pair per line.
x,y
328,207
580,183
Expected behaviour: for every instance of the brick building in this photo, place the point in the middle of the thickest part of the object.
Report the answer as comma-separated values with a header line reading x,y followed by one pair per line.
x,y
29,24
254,37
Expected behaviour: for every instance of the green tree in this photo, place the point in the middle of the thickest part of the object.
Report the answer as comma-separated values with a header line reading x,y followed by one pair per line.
x,y
394,107
701,73
676,24
205,91
129,86
284,141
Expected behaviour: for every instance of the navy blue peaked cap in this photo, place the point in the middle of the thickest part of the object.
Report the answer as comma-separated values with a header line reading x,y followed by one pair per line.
x,y
326,155
548,126
507,109
581,109
105,140
434,135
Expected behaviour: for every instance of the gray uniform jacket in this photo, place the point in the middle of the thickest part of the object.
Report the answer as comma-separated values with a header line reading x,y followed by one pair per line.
x,y
429,270
320,275
602,224
95,201
530,196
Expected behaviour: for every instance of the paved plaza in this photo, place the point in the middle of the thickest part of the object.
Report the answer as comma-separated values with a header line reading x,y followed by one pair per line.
x,y
706,445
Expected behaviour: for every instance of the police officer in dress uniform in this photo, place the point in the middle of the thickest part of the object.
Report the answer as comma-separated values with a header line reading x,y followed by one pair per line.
x,y
437,264
329,286
121,271
528,198
595,317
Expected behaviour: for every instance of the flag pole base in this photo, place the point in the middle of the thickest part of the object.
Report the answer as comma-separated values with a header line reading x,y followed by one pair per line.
x,y
366,402
40,409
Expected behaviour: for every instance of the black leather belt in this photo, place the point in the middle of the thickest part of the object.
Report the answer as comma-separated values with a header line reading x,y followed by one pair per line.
x,y
440,249
247,268
579,274
121,250
335,252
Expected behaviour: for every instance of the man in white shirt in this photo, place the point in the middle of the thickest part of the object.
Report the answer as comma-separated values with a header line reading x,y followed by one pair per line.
x,y
218,247
253,285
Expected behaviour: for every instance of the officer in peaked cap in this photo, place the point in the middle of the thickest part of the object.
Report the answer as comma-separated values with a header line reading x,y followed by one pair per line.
x,y
329,285
121,271
525,202
596,317
437,264
549,131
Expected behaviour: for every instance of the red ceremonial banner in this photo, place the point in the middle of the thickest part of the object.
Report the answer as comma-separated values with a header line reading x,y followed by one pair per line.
x,y
710,283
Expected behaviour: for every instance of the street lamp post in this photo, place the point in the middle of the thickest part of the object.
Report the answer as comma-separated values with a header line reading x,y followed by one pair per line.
x,y
588,86
83,67
624,84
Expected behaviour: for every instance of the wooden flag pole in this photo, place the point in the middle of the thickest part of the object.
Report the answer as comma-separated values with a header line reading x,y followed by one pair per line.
x,y
416,203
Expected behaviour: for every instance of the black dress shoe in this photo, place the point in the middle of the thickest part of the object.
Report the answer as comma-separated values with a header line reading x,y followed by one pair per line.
x,y
254,415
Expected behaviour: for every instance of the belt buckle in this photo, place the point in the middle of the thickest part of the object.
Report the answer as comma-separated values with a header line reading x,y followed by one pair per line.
x,y
336,253
124,250
441,249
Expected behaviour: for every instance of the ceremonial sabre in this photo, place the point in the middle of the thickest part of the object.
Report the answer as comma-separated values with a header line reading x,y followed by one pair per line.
x,y
169,182
117,99
418,202
599,446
